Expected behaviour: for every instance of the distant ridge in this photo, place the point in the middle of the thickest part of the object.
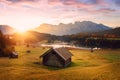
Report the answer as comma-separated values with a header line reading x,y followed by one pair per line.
x,y
7,29
72,28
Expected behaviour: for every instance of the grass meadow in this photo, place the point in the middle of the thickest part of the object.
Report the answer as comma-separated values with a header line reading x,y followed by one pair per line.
x,y
103,64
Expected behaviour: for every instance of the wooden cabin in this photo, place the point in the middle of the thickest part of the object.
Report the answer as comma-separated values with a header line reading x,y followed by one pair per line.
x,y
57,57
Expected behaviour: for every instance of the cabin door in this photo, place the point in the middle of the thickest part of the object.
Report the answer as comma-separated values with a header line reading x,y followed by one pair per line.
x,y
53,61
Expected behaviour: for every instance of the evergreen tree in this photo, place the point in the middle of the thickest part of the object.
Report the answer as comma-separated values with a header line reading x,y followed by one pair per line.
x,y
2,42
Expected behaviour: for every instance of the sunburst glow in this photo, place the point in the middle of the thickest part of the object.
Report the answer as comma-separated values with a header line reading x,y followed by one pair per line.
x,y
22,29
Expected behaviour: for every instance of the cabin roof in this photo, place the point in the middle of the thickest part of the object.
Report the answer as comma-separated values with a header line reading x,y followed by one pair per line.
x,y
61,51
14,53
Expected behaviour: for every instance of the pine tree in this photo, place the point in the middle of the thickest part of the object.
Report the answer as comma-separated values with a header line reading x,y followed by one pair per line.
x,y
2,42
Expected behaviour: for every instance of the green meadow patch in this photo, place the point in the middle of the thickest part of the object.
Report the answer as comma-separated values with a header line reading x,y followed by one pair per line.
x,y
112,57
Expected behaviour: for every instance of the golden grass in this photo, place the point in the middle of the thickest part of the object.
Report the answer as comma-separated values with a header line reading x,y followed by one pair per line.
x,y
85,66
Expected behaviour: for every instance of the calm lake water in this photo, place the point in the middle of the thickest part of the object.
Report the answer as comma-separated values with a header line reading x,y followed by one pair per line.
x,y
64,45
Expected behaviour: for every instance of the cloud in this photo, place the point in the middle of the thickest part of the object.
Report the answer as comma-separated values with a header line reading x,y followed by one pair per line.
x,y
117,2
15,1
69,3
101,11
92,1
21,4
89,6
78,2
105,10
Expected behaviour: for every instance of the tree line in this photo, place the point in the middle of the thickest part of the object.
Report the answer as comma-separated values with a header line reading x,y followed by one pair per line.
x,y
6,45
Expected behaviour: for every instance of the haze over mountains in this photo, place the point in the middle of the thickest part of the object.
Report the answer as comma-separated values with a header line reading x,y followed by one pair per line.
x,y
72,28
63,29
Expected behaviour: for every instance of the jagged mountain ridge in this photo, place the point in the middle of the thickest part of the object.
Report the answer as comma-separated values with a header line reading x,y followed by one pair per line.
x,y
72,28
63,29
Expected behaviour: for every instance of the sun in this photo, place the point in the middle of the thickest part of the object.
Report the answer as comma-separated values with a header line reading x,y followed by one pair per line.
x,y
22,29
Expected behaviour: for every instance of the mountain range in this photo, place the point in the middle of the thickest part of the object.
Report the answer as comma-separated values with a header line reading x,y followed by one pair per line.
x,y
72,28
63,29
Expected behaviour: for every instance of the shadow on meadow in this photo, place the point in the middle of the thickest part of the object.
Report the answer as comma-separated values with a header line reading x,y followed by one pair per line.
x,y
73,64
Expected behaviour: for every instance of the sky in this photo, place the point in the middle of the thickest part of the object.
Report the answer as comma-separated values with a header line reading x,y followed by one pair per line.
x,y
26,14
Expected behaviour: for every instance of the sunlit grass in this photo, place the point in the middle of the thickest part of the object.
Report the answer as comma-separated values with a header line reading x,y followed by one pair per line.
x,y
85,66
112,57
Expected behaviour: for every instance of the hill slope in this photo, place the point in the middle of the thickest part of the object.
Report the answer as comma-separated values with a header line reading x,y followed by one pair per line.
x,y
115,31
32,36
77,27
7,29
